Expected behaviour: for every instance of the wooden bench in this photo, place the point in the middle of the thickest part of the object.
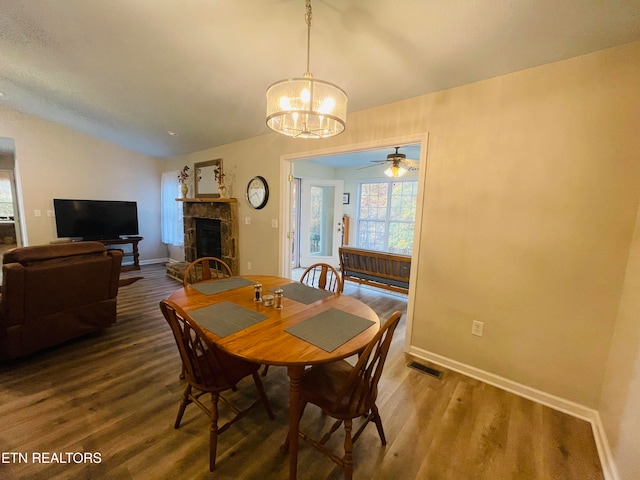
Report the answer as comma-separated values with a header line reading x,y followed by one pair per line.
x,y
378,269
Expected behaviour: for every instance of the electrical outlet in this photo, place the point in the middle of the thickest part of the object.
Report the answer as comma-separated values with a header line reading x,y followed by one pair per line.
x,y
477,328
247,220
274,223
248,265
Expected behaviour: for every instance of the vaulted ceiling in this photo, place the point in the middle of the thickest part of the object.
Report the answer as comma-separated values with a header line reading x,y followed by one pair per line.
x,y
130,71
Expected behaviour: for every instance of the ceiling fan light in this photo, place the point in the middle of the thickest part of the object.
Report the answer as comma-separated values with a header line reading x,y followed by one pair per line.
x,y
395,171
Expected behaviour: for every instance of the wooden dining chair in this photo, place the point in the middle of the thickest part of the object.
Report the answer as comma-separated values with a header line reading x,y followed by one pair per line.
x,y
209,370
203,269
347,392
206,268
323,276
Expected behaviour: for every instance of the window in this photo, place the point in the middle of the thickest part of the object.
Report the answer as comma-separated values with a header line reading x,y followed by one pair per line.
x,y
6,197
386,216
171,223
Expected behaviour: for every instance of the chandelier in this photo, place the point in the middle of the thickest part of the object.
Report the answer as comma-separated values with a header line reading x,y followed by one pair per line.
x,y
306,107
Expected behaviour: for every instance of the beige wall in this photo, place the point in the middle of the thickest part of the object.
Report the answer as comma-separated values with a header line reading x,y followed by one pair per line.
x,y
620,401
55,162
532,188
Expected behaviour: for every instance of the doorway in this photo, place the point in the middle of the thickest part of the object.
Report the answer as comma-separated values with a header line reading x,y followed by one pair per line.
x,y
296,166
10,227
320,221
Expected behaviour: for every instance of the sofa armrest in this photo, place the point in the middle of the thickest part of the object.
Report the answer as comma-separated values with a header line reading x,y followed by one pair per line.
x,y
116,259
11,306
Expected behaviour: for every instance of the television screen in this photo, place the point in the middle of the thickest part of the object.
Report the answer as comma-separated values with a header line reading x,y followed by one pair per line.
x,y
95,219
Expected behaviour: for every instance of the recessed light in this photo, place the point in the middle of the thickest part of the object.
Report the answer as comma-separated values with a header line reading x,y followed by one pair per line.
x,y
173,134
2,94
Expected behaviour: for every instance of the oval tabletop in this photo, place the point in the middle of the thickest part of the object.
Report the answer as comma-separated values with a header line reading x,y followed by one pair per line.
x,y
267,342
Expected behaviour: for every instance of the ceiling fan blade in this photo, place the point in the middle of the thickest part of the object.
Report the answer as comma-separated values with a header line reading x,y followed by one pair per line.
x,y
411,163
366,166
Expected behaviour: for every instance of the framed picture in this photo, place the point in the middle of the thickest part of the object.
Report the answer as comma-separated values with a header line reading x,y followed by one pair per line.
x,y
345,198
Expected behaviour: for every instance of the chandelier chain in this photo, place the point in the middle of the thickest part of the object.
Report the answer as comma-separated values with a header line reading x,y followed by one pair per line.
x,y
307,18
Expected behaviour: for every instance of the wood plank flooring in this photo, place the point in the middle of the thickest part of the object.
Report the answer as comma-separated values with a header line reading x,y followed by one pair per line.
x,y
116,393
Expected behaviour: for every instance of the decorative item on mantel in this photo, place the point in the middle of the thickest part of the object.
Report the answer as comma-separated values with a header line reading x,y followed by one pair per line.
x,y
182,178
222,188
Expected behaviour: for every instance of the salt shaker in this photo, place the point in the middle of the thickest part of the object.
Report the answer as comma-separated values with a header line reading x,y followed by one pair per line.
x,y
258,292
278,301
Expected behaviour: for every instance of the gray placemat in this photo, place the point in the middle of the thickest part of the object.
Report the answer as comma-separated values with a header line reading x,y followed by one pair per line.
x,y
222,285
226,318
330,329
303,293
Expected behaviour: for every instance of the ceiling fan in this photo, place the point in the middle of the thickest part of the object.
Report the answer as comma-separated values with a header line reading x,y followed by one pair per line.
x,y
400,164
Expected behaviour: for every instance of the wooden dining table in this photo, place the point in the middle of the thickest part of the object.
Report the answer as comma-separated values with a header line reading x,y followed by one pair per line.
x,y
267,342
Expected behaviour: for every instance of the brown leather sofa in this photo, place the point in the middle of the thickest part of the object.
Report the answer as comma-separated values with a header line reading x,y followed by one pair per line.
x,y
53,293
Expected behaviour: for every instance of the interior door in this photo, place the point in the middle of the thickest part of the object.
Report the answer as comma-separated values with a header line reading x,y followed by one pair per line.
x,y
321,221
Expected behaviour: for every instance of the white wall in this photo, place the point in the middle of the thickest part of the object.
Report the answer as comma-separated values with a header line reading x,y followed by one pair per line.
x,y
55,162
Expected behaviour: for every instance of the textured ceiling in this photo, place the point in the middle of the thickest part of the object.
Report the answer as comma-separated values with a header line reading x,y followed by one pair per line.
x,y
128,71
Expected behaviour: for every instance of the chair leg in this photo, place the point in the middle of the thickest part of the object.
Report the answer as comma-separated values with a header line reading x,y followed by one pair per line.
x,y
348,450
378,422
183,405
213,432
263,395
265,370
182,375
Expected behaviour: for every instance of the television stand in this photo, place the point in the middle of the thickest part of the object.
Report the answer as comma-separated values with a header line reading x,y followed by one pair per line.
x,y
133,253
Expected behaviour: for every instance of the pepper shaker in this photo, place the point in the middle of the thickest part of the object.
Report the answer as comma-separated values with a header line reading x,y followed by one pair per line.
x,y
258,292
278,302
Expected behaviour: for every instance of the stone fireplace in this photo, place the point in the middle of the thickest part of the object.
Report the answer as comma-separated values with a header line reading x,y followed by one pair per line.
x,y
215,220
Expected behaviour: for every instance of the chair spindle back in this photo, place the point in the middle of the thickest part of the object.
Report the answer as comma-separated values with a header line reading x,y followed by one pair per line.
x,y
322,276
200,356
361,388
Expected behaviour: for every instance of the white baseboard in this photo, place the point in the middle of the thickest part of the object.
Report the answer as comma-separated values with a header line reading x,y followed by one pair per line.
x,y
156,260
557,403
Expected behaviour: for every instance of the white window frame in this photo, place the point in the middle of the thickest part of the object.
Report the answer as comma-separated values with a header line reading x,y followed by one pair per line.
x,y
387,221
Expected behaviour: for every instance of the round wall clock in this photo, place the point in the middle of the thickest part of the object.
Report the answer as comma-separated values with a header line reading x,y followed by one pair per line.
x,y
257,192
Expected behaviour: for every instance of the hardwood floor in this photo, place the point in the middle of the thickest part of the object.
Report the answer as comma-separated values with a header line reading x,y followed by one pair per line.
x,y
116,393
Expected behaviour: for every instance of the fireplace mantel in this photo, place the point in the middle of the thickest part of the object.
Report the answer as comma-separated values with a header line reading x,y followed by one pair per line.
x,y
207,200
223,209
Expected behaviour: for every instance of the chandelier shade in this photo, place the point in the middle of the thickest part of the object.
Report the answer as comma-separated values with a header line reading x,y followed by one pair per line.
x,y
306,108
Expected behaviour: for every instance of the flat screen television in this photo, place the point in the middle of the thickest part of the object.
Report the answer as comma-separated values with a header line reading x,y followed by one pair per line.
x,y
95,219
